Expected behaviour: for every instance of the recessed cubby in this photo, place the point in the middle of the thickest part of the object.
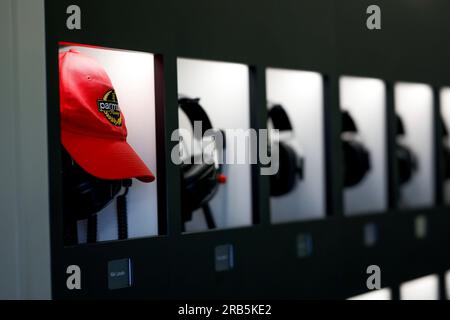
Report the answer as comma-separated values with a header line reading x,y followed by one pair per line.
x,y
301,95
364,101
221,90
445,140
414,106
127,79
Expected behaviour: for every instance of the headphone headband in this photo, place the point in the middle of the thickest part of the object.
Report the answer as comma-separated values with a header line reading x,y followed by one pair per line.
x,y
195,112
280,118
400,126
444,128
348,124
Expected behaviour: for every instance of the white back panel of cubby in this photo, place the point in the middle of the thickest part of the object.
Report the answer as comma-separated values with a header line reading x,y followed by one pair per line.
x,y
425,288
414,104
302,96
447,284
224,92
445,112
382,294
365,100
132,75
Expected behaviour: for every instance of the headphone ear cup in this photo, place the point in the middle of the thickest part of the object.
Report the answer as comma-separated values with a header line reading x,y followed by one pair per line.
x,y
356,162
406,164
199,185
446,164
284,180
85,195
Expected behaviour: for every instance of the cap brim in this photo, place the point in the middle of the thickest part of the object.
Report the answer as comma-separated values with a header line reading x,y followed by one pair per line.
x,y
106,159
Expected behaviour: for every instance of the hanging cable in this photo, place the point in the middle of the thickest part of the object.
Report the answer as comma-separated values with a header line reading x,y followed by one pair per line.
x,y
122,213
209,217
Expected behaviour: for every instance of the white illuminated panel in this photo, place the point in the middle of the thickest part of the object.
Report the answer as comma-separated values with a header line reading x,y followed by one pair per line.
x,y
301,95
414,104
224,92
383,294
447,284
426,288
132,75
365,100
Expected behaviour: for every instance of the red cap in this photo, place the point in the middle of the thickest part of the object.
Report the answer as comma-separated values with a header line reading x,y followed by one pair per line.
x,y
93,128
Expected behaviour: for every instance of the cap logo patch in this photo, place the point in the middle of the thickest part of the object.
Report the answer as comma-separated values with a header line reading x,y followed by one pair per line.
x,y
109,106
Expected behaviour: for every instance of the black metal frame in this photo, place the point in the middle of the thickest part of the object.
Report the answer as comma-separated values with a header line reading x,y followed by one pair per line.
x,y
327,36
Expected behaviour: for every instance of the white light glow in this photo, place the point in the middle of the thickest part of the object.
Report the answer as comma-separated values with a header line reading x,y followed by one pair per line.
x,y
383,294
426,288
447,284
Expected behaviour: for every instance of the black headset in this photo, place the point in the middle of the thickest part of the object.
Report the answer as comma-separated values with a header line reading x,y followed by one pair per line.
x,y
356,156
445,151
291,165
85,195
200,179
407,162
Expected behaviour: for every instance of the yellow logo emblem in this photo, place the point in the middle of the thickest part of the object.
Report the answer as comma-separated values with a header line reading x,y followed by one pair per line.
x,y
109,106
